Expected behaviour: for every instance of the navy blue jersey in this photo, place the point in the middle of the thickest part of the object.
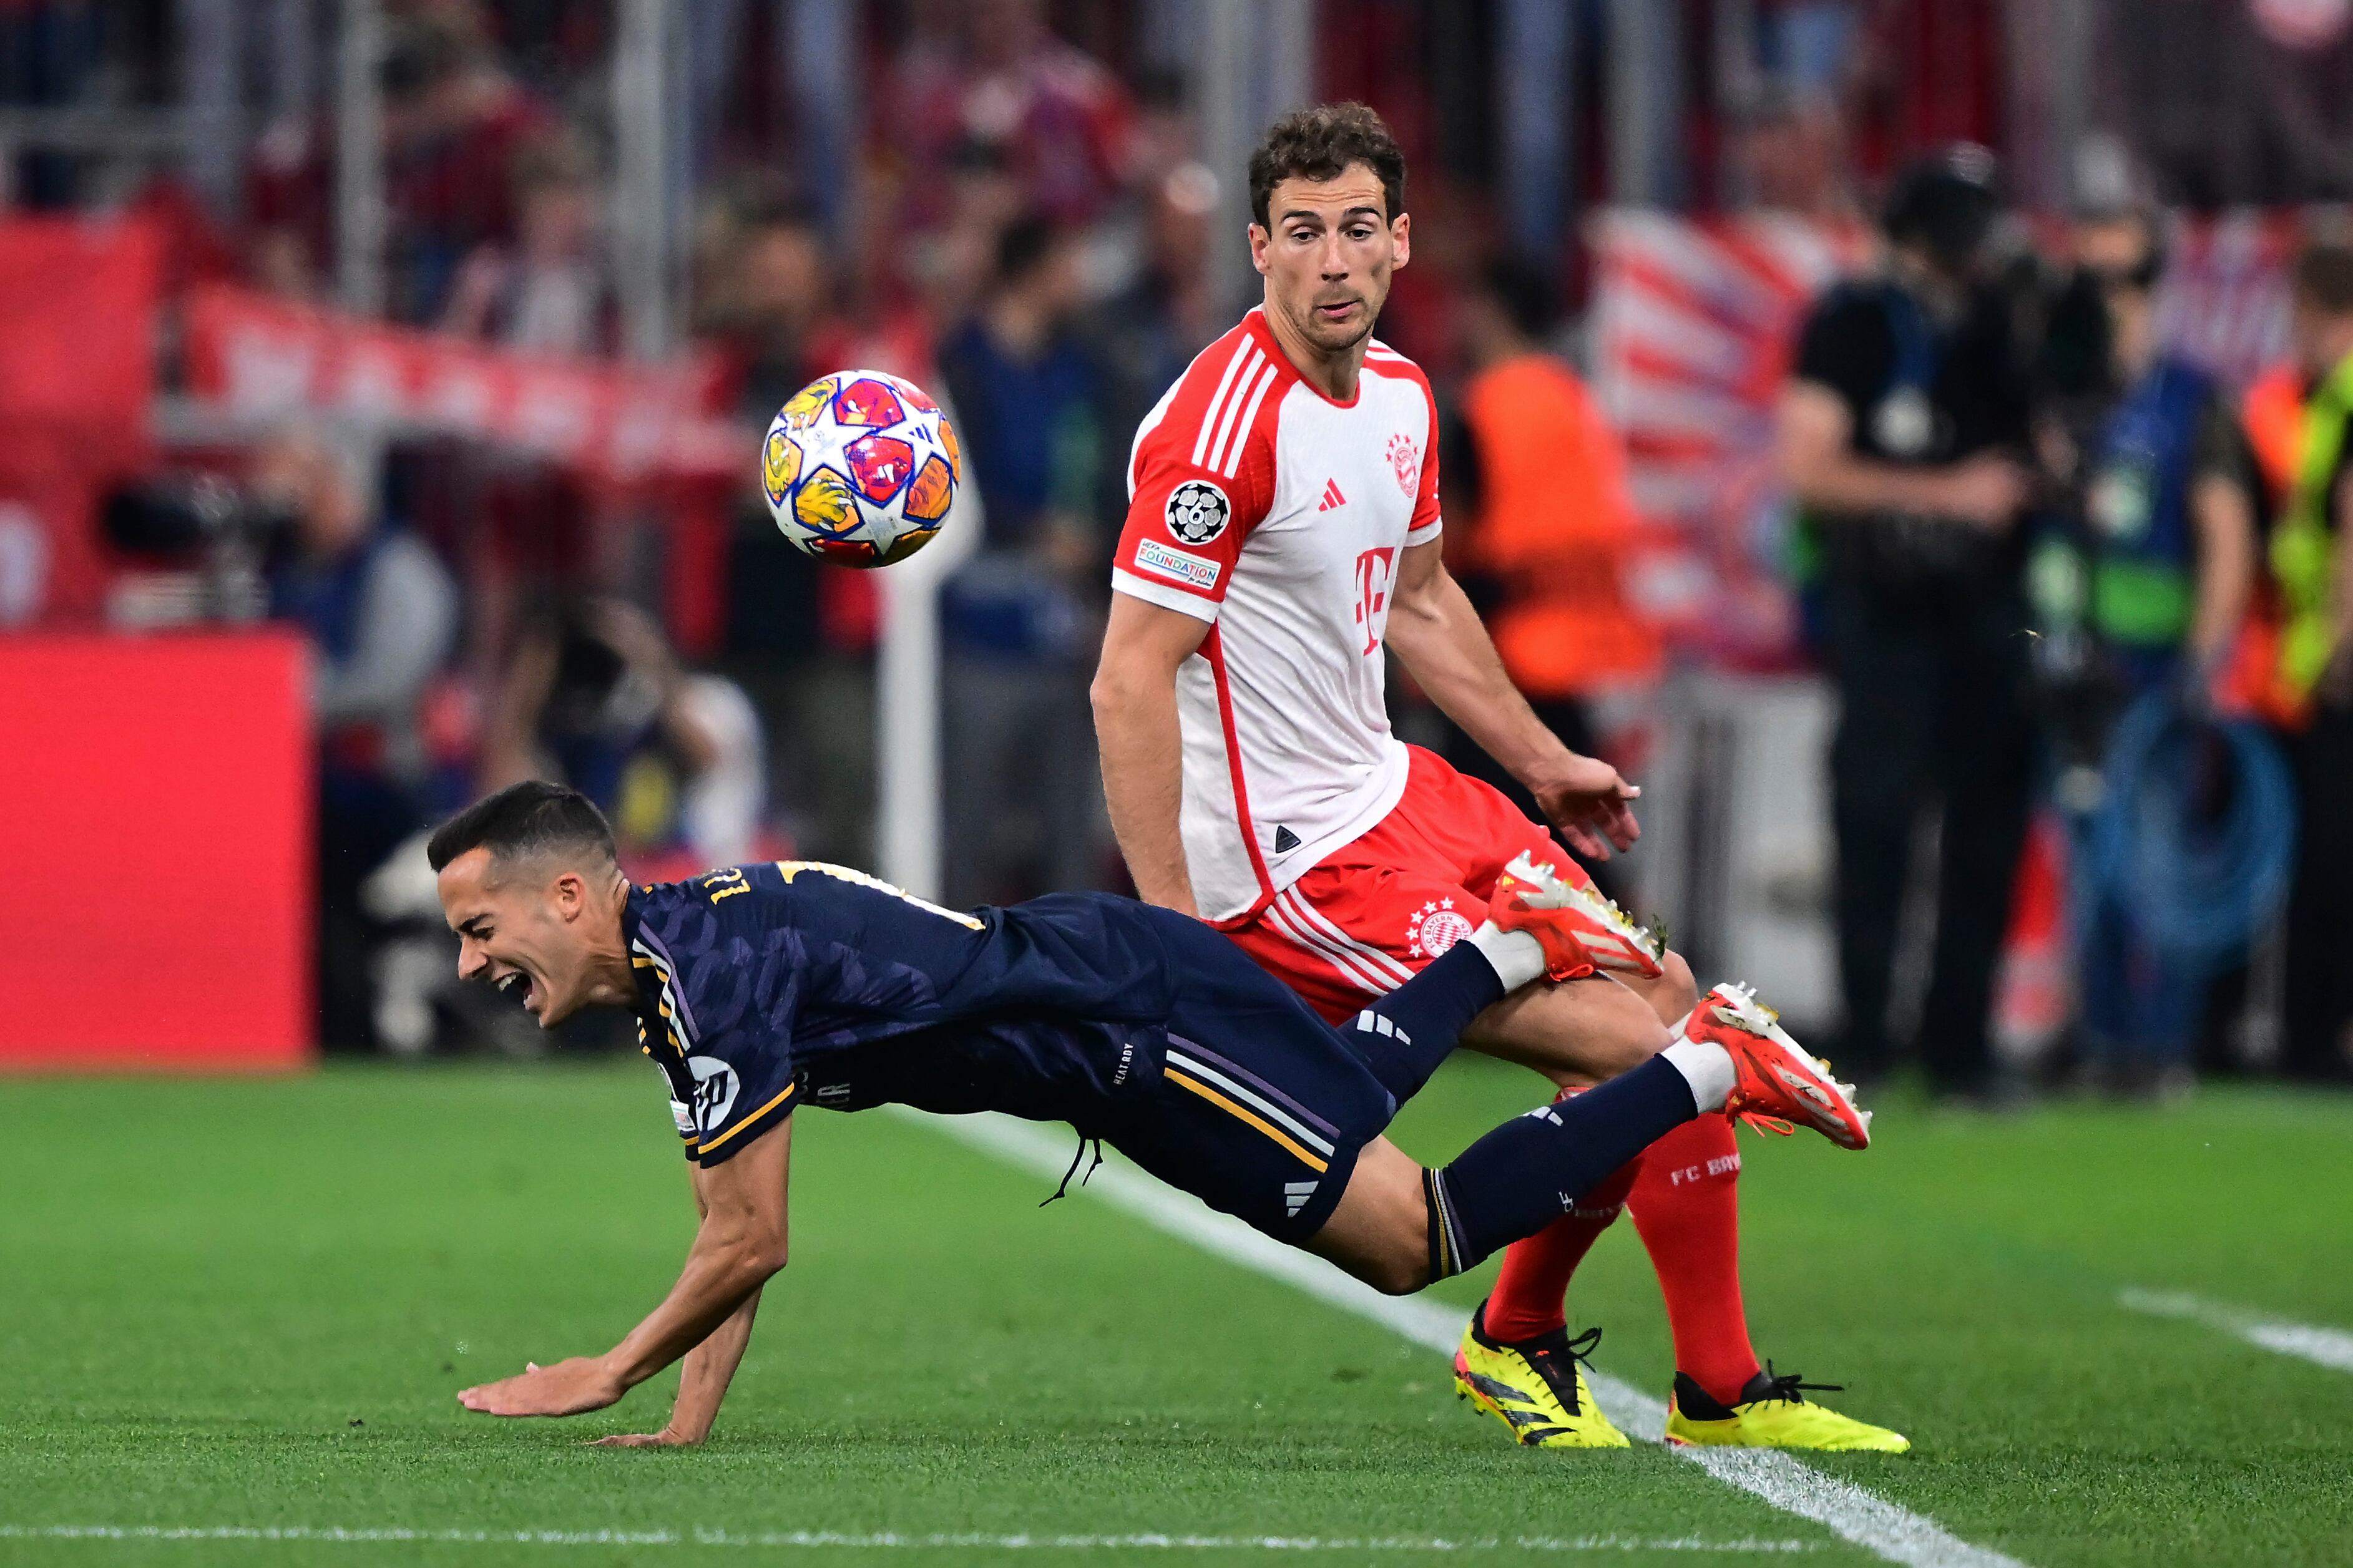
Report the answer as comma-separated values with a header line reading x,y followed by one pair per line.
x,y
764,985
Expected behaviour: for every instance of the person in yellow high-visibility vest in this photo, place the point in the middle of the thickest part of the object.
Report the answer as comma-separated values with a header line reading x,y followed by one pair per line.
x,y
2312,569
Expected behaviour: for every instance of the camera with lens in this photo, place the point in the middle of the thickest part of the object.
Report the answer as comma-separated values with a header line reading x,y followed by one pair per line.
x,y
202,548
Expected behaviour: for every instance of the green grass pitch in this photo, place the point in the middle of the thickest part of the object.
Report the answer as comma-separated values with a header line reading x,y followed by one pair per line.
x,y
248,1304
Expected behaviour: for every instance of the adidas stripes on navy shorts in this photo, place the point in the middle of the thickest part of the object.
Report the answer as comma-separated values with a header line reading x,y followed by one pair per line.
x,y
1262,1107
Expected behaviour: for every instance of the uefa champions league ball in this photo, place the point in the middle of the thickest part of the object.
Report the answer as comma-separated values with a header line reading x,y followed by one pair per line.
x,y
860,469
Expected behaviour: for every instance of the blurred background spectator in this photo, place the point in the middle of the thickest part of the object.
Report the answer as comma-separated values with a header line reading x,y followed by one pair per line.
x,y
1901,434
1023,814
557,264
595,698
2309,558
380,616
2144,583
1540,527
550,289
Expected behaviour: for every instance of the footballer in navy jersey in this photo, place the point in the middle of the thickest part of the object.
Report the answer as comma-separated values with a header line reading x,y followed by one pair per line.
x,y
762,986
759,989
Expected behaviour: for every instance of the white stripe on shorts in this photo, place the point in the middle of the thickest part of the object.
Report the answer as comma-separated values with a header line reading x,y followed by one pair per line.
x,y
1348,968
1380,962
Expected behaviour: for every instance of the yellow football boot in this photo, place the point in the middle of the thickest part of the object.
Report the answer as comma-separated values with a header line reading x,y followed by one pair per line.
x,y
1772,1413
1534,1387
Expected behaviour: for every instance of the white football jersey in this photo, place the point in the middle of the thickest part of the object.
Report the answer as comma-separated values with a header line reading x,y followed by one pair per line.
x,y
1263,507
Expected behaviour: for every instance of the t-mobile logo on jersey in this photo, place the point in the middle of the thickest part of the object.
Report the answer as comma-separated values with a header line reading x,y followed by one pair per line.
x,y
1376,570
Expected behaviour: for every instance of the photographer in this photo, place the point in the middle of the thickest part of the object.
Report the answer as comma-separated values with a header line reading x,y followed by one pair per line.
x,y
1898,433
594,696
2150,572
381,614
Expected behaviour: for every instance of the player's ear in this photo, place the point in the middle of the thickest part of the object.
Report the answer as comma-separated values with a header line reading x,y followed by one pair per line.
x,y
571,893
1259,240
1401,232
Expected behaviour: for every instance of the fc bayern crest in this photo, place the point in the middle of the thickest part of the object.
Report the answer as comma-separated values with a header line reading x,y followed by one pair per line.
x,y
1436,927
1405,461
1197,511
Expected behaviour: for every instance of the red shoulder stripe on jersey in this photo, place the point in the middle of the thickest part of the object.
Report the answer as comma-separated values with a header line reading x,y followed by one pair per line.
x,y
1181,421
1244,350
1229,460
1211,447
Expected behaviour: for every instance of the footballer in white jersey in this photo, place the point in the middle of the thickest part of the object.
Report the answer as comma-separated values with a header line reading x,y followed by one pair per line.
x,y
1282,535
1276,515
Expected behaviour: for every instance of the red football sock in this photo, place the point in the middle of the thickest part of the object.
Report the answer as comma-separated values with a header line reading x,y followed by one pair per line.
x,y
1687,1205
1528,1297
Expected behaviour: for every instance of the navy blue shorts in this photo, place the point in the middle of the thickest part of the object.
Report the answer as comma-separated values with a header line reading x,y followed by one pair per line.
x,y
1261,1107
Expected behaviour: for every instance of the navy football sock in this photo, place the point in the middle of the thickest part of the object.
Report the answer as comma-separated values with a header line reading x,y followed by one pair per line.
x,y
1406,1033
1528,1173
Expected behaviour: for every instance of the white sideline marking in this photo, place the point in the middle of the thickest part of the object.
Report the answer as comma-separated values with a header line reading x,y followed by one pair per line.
x,y
1870,1522
884,1540
2323,1347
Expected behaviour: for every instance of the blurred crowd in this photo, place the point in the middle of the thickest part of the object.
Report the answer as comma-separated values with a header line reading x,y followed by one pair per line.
x,y
2041,558
2057,565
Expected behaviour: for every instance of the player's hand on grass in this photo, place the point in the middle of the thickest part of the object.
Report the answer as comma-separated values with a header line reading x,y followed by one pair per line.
x,y
567,1388
1591,805
665,1438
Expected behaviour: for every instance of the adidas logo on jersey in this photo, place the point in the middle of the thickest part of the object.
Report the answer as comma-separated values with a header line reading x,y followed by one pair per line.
x,y
1332,496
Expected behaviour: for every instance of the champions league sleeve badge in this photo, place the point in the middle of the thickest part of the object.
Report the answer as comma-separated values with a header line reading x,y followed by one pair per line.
x,y
1197,511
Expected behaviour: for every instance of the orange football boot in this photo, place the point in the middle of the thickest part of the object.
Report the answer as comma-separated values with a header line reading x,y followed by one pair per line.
x,y
1773,1077
1579,929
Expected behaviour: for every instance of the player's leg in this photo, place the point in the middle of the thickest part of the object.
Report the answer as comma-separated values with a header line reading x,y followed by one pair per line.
x,y
1684,1192
1513,1182
1547,921
1261,1107
1395,903
1619,1021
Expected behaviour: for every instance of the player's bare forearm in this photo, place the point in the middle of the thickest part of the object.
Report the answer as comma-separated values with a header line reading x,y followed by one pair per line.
x,y
1141,746
1440,640
710,1368
737,1248
739,1243
703,1386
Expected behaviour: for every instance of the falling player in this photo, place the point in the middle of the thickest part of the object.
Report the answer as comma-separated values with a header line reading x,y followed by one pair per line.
x,y
1282,530
758,988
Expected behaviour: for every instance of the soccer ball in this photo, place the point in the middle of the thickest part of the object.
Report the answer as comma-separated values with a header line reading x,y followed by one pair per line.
x,y
860,469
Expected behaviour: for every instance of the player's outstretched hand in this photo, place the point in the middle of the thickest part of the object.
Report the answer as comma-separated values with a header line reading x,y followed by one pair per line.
x,y
567,1388
1590,805
665,1438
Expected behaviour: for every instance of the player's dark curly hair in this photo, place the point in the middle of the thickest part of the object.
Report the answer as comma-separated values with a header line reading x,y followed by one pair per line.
x,y
534,817
1316,144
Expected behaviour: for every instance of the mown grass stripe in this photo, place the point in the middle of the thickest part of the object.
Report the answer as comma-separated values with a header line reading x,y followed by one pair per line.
x,y
938,1541
1878,1526
2321,1346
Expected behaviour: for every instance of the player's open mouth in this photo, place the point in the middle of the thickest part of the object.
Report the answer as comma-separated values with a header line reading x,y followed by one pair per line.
x,y
519,982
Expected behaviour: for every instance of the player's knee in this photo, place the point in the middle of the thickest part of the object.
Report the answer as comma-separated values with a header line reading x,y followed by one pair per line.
x,y
1677,990
1403,1266
1634,1036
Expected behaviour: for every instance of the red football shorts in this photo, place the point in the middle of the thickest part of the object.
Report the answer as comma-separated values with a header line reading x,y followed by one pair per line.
x,y
1373,912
